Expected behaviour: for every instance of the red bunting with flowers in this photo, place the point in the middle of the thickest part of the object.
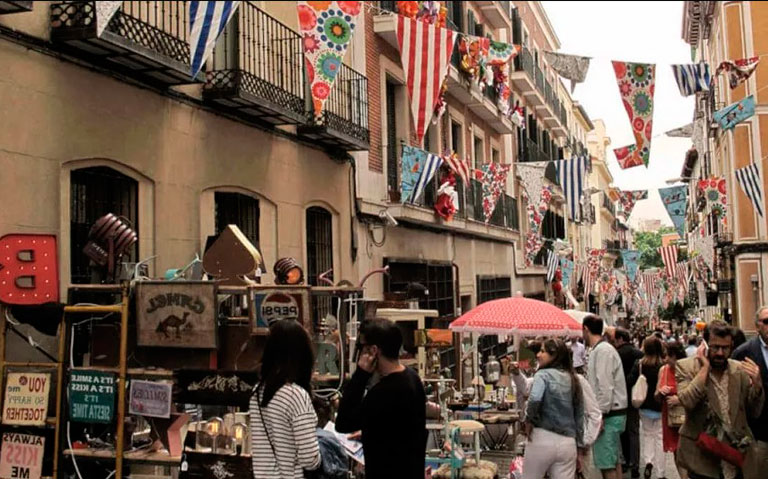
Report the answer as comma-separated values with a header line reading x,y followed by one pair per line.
x,y
636,83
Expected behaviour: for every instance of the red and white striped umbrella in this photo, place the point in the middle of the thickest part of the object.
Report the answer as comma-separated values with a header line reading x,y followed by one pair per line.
x,y
517,316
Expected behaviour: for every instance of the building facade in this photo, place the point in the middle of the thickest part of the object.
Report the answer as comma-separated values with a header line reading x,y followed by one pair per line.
x,y
719,31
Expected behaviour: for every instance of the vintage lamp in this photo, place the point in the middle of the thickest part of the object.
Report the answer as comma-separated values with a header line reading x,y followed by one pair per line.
x,y
108,240
288,271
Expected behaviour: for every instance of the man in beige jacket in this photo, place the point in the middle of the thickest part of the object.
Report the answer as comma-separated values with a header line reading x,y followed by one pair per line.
x,y
717,392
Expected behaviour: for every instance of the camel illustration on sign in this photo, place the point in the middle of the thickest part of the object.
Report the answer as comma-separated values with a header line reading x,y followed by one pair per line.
x,y
173,321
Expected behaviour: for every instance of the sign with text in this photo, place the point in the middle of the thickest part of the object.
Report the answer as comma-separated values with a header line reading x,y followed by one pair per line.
x,y
280,303
26,399
92,397
150,398
21,456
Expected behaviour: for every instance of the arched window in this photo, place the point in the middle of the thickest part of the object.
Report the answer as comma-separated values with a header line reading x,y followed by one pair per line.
x,y
238,209
319,256
94,192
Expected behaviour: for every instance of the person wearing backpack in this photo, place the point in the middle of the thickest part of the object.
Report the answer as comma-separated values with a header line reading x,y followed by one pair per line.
x,y
644,378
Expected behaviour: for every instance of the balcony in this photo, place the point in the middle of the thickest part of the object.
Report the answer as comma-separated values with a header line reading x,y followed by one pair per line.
x,y
609,206
528,78
258,72
343,124
15,7
146,40
496,13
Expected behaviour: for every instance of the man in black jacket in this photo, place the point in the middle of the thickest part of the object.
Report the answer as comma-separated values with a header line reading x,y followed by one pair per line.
x,y
757,350
630,438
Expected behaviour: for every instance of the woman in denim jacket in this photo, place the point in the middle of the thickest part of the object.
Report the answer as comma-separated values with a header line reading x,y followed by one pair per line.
x,y
554,415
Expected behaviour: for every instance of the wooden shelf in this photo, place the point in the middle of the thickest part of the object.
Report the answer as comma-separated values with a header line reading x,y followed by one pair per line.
x,y
90,453
143,457
136,372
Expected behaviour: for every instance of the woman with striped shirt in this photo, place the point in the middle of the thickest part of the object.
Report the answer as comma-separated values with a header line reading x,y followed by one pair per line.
x,y
283,421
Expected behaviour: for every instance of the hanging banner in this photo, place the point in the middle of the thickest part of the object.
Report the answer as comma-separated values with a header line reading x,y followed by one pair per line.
x,y
533,240
674,199
26,399
735,113
91,397
418,168
326,30
500,53
566,268
706,248
570,174
447,203
571,67
494,183
636,83
474,54
751,184
685,131
22,456
630,257
460,167
206,22
104,13
692,78
150,398
629,198
738,70
594,259
714,191
425,65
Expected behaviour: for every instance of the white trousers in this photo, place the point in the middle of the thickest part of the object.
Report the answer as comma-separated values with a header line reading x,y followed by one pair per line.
x,y
652,445
547,452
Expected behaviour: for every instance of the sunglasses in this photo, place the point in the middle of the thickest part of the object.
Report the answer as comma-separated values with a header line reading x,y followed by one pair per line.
x,y
764,321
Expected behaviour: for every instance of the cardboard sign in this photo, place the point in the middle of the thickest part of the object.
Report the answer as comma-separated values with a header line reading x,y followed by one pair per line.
x,y
21,456
29,268
92,397
276,304
150,398
177,314
26,399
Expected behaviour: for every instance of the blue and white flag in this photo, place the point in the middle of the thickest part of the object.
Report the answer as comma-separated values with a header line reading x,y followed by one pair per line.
x,y
630,257
566,267
570,174
206,22
692,78
674,199
551,265
418,168
749,180
735,113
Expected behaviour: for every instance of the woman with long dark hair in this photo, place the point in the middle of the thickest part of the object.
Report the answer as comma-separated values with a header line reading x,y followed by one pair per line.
x,y
651,443
283,421
554,415
672,412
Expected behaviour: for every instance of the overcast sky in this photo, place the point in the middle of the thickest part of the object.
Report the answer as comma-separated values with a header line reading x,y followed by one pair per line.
x,y
647,32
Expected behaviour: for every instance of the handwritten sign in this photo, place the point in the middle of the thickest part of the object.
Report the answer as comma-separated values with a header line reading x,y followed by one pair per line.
x,y
26,399
150,398
92,397
22,456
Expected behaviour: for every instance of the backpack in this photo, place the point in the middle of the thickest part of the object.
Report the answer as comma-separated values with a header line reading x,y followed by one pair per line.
x,y
640,390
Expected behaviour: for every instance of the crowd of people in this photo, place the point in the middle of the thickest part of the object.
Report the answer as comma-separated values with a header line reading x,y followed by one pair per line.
x,y
588,407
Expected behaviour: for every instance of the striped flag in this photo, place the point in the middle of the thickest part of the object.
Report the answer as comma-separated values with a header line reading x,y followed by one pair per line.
x,y
431,165
460,167
669,257
588,278
551,265
570,173
425,51
692,78
749,180
681,272
207,20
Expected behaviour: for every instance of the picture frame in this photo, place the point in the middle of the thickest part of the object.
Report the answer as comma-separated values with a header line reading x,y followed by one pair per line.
x,y
275,303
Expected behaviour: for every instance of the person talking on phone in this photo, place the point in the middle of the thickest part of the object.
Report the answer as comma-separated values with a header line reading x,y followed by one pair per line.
x,y
392,415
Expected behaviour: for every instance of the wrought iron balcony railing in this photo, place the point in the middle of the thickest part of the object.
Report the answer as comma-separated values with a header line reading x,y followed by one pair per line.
x,y
15,7
608,205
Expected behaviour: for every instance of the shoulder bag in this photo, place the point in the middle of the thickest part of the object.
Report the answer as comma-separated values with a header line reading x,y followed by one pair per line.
x,y
640,389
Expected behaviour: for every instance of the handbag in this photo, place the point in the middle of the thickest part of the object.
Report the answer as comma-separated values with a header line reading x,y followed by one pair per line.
x,y
675,414
723,451
640,390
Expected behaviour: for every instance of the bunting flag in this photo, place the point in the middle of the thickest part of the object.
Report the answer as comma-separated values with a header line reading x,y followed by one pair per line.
x,y
494,183
551,265
539,195
714,191
751,183
571,67
425,52
594,259
735,113
738,70
706,248
501,53
418,168
630,257
669,258
681,273
570,173
674,199
104,13
532,180
636,83
685,131
474,57
699,135
588,278
206,22
692,78
460,167
567,269
628,199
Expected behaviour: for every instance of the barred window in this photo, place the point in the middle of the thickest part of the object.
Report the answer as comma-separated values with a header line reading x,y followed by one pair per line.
x,y
319,256
238,209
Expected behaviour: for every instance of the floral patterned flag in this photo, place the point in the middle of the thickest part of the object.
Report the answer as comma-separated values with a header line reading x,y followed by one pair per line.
x,y
738,70
572,67
536,212
494,182
675,199
636,83
326,29
418,168
629,198
714,191
594,258
474,56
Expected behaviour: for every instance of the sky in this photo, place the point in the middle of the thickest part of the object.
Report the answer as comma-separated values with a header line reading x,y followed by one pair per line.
x,y
645,32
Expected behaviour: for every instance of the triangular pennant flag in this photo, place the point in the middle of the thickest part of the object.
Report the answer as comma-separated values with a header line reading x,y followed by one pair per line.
x,y
669,258
570,174
418,168
460,167
571,67
566,267
692,78
536,212
326,30
738,70
104,13
628,199
752,185
494,183
425,52
636,83
474,56
685,131
206,22
735,113
714,190
630,257
674,199
500,53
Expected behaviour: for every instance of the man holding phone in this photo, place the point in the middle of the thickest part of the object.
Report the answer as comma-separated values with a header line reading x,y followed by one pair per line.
x,y
392,415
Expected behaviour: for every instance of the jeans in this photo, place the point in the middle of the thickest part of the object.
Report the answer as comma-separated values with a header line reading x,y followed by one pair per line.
x,y
630,439
653,445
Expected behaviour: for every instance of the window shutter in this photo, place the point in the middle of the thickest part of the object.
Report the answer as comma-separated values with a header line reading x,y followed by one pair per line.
x,y
393,147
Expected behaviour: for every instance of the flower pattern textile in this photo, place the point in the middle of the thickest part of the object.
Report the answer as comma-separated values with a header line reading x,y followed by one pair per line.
x,y
636,82
500,53
629,198
572,67
594,258
326,29
494,183
534,241
714,191
474,57
675,199
738,70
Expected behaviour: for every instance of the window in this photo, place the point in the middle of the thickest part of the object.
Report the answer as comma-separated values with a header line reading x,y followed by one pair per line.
x,y
319,256
477,152
392,146
456,144
495,155
94,192
488,289
437,277
237,209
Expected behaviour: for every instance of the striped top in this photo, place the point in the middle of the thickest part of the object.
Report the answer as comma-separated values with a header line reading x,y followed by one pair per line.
x,y
291,421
